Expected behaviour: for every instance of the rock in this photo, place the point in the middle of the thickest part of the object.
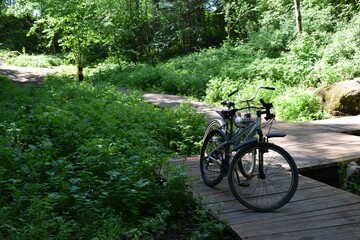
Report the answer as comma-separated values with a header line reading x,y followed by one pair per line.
x,y
13,54
342,98
352,175
352,168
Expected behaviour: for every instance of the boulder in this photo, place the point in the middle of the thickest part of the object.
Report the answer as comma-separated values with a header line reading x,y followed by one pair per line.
x,y
13,54
342,98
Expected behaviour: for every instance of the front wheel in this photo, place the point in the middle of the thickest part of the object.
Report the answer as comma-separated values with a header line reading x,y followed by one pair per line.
x,y
268,189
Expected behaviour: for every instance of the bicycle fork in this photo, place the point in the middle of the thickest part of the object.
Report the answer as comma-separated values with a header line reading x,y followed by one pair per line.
x,y
262,150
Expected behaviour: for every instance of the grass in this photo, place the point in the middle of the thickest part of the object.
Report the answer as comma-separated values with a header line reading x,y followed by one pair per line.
x,y
83,160
26,60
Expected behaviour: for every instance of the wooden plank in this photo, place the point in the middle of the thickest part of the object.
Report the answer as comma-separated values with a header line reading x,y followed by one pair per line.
x,y
311,223
348,232
239,216
314,207
291,227
248,218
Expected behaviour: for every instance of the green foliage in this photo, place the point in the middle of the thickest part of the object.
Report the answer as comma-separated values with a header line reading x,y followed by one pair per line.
x,y
291,103
263,48
340,58
87,161
297,104
349,183
26,60
324,53
13,33
141,76
132,30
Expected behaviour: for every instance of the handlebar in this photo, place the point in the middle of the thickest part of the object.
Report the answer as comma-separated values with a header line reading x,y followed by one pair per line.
x,y
266,106
237,90
233,92
225,102
256,93
267,112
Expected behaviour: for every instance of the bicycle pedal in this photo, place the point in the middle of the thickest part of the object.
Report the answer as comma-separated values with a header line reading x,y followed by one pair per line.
x,y
244,184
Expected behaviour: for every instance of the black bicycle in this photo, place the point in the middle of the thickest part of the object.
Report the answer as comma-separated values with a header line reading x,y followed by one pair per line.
x,y
261,175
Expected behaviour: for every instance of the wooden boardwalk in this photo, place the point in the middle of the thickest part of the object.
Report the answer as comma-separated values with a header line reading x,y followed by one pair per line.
x,y
317,210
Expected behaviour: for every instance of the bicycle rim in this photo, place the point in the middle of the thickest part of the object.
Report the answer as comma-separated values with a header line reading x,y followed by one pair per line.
x,y
214,124
212,158
247,165
266,193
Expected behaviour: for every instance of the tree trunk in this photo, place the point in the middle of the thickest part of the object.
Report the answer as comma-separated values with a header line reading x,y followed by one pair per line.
x,y
80,73
80,66
298,16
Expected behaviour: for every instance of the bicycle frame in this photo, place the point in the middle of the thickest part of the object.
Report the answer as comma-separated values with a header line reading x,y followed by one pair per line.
x,y
236,146
252,129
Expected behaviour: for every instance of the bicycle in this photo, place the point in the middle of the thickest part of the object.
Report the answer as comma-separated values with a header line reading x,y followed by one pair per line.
x,y
231,123
261,175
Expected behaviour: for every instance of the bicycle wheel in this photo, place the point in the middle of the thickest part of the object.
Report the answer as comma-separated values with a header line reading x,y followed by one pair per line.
x,y
212,158
247,164
214,124
271,190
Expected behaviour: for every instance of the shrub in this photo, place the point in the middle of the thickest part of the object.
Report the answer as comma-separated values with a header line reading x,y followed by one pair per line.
x,y
144,77
340,59
83,160
297,104
26,60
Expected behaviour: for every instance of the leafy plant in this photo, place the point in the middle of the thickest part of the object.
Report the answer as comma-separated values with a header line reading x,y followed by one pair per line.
x,y
349,183
296,104
84,160
26,60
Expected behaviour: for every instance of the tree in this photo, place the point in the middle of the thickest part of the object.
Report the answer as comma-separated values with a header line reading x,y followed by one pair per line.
x,y
298,16
240,16
74,21
133,29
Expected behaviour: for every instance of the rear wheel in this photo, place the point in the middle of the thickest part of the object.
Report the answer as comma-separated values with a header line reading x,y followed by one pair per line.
x,y
265,191
214,124
247,164
213,166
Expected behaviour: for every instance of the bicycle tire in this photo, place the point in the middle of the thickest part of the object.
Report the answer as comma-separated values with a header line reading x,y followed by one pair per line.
x,y
247,164
214,124
272,191
213,163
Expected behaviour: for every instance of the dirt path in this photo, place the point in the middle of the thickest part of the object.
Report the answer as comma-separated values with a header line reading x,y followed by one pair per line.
x,y
28,75
25,75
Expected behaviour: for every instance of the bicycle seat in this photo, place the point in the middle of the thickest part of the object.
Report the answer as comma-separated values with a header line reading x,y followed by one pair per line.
x,y
271,135
228,113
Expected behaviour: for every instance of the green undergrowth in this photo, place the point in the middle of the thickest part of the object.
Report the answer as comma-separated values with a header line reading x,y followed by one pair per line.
x,y
295,65
86,161
211,75
351,182
28,60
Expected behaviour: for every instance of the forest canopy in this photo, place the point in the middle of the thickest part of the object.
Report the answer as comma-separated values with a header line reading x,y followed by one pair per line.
x,y
198,48
139,30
